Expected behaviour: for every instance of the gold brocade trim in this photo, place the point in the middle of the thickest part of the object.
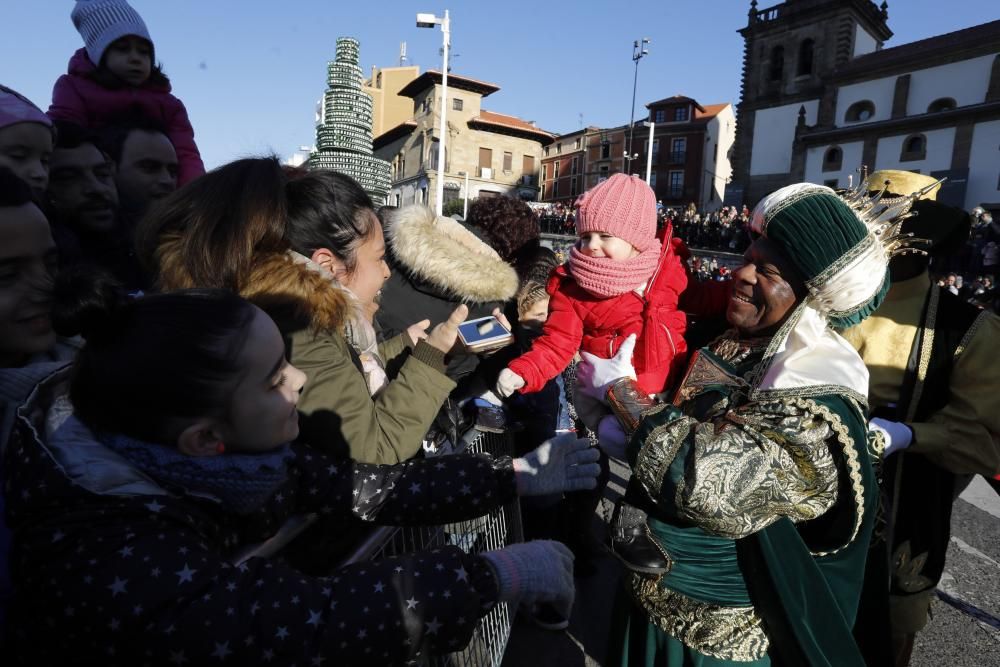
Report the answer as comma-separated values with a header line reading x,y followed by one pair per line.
x,y
980,318
810,391
655,457
926,346
860,248
853,465
725,633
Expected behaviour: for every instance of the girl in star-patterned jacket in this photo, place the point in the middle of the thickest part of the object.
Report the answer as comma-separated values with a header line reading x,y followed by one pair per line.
x,y
137,479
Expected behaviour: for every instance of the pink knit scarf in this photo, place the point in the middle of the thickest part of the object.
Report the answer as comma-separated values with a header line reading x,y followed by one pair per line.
x,y
604,277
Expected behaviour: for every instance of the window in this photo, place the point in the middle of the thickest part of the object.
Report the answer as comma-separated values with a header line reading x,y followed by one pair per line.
x,y
603,171
572,187
656,148
573,169
777,68
576,145
859,112
678,149
546,152
559,148
545,172
555,189
676,184
652,179
456,104
681,113
660,116
942,104
486,162
914,148
528,165
805,65
423,195
832,159
605,150
555,169
451,192
508,162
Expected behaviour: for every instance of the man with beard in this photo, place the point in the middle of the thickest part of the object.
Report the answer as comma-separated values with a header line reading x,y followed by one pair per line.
x,y
145,165
82,203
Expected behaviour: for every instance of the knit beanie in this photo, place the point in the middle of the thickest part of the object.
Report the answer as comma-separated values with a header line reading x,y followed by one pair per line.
x,y
623,206
16,108
102,22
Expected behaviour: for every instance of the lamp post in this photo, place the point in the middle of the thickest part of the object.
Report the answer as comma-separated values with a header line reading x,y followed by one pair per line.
x,y
465,195
429,21
638,51
649,151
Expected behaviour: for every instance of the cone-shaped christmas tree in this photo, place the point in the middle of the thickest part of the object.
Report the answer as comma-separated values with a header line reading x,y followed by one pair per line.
x,y
344,130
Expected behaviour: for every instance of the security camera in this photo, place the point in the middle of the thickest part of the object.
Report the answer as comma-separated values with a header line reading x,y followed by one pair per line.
x,y
426,20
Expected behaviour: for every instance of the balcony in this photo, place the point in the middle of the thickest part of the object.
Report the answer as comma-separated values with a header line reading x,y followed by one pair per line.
x,y
677,157
485,172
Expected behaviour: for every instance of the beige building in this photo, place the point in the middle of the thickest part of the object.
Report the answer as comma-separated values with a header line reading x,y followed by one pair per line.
x,y
389,108
501,154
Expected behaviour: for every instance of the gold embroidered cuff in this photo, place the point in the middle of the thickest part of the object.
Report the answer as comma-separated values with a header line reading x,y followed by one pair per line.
x,y
657,453
628,402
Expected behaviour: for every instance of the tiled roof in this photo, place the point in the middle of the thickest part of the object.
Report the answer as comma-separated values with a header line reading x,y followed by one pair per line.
x,y
977,36
676,99
432,77
710,111
510,122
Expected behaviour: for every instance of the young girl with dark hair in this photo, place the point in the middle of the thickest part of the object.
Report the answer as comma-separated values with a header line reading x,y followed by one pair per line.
x,y
116,73
143,477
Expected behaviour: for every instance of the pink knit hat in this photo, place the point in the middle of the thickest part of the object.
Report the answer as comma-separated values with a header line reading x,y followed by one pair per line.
x,y
623,206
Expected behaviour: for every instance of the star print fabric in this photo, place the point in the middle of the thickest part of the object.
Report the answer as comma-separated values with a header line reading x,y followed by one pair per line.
x,y
146,578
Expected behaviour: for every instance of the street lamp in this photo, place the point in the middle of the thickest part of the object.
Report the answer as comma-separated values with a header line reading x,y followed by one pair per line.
x,y
465,195
638,51
429,21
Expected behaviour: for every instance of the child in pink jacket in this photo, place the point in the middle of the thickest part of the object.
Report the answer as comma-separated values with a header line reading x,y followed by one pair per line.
x,y
115,76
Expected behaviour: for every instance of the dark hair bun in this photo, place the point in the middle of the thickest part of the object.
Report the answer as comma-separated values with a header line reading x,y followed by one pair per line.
x,y
86,301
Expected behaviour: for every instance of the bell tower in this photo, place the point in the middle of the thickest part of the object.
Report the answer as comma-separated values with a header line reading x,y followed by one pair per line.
x,y
790,51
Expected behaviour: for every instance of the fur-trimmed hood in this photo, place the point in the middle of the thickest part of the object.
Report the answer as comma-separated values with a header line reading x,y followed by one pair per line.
x,y
446,254
278,283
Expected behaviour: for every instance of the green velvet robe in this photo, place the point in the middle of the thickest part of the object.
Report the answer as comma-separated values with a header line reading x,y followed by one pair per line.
x,y
764,509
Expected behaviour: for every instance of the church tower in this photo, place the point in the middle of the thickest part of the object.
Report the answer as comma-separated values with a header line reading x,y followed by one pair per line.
x,y
790,52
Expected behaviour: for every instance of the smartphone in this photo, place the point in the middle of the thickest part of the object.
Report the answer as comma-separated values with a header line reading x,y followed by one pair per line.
x,y
484,334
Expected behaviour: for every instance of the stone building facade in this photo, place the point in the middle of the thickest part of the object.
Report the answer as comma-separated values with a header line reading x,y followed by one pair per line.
x,y
821,97
389,108
500,154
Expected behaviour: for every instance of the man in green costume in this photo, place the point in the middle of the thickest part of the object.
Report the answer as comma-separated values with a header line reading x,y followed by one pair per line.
x,y
760,477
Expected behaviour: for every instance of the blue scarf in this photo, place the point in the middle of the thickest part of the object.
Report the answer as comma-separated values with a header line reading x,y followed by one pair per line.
x,y
242,482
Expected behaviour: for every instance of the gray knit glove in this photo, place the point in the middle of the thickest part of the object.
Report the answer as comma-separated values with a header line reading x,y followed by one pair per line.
x,y
563,463
537,571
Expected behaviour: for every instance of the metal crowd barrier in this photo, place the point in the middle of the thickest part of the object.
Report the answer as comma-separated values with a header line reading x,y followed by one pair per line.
x,y
491,531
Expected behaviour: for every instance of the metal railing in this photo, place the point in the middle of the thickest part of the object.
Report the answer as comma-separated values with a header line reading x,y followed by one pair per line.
x,y
495,530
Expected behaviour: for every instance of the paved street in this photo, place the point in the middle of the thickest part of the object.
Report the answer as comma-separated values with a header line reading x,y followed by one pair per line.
x,y
952,638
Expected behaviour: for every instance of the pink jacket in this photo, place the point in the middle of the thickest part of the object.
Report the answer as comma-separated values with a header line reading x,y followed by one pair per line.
x,y
79,99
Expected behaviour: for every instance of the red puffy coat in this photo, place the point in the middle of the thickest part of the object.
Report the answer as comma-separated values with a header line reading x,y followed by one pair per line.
x,y
79,99
580,321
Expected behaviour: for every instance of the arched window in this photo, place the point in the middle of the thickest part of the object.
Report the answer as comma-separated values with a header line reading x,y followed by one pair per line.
x,y
859,112
914,148
805,65
777,63
941,104
832,159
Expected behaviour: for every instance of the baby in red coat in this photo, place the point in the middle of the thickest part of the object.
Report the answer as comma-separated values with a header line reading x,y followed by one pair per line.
x,y
620,280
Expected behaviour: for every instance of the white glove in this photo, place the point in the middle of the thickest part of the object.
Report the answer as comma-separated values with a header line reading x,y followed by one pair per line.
x,y
508,383
563,463
536,571
611,437
898,435
594,375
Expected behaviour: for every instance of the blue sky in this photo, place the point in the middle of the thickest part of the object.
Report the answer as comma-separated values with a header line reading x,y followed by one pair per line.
x,y
250,72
